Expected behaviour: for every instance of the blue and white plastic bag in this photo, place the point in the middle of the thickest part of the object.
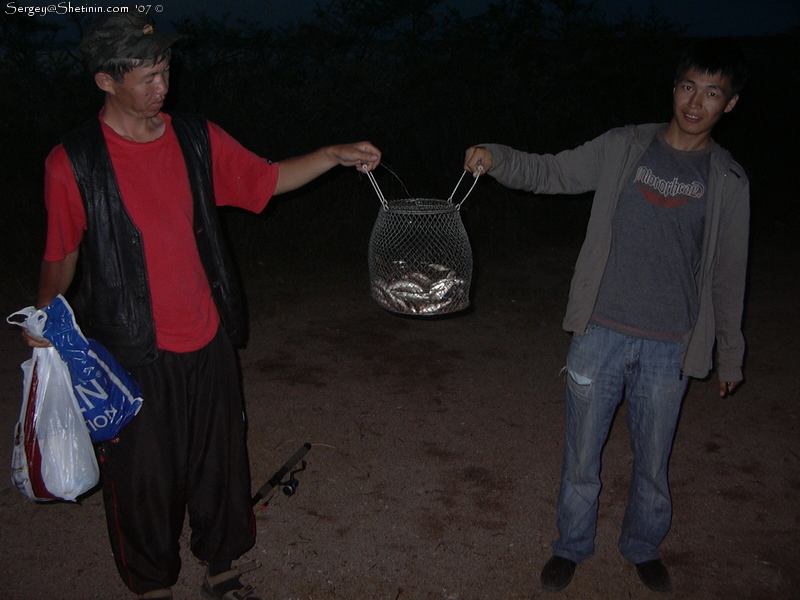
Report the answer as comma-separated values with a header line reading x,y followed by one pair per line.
x,y
107,394
53,456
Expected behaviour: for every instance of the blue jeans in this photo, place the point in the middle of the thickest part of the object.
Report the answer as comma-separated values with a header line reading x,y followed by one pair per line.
x,y
602,366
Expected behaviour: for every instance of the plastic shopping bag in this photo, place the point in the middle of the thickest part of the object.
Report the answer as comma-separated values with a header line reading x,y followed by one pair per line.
x,y
53,456
107,394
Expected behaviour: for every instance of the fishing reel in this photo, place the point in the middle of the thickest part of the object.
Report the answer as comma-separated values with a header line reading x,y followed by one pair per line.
x,y
289,486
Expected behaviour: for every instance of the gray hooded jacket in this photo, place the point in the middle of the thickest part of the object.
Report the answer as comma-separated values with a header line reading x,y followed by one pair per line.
x,y
603,165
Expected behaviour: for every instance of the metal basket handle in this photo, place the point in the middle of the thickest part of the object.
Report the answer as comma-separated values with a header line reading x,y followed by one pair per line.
x,y
472,187
385,204
377,188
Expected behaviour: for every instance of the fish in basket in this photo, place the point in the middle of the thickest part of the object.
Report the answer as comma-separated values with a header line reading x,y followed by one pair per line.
x,y
420,258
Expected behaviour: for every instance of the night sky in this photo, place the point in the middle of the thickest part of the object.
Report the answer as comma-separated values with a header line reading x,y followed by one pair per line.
x,y
712,18
703,17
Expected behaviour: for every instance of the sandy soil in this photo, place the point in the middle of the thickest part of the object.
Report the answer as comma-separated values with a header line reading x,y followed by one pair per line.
x,y
436,452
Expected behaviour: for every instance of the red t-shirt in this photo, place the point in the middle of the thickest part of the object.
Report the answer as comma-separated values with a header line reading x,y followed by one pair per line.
x,y
155,190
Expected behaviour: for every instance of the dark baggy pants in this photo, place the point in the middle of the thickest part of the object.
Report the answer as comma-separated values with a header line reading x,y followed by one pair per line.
x,y
185,449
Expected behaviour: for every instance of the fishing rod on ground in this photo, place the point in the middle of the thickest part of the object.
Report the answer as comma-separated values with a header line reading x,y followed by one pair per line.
x,y
290,485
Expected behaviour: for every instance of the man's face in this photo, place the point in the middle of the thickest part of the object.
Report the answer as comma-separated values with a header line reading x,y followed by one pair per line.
x,y
142,90
699,100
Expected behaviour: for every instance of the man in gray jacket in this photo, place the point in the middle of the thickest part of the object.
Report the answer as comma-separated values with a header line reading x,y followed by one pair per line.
x,y
660,278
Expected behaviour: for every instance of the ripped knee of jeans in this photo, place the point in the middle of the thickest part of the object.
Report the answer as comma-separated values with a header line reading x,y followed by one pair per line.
x,y
578,378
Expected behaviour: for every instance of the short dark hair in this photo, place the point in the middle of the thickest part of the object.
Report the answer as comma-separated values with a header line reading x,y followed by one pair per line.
x,y
117,67
713,56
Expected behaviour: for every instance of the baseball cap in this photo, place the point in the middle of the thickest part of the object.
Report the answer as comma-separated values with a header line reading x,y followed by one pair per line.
x,y
130,34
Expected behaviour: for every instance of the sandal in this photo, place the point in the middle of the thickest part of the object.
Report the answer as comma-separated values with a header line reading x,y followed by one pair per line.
x,y
226,586
162,594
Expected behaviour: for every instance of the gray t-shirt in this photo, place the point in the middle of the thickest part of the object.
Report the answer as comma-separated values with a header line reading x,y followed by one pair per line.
x,y
648,288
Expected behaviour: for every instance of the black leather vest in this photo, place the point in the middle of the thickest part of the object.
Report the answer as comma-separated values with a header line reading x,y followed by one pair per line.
x,y
114,298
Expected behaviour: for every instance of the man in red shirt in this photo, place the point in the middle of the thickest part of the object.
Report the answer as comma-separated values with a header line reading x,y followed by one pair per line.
x,y
134,193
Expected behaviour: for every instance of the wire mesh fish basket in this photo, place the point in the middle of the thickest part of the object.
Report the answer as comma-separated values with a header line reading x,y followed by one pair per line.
x,y
420,258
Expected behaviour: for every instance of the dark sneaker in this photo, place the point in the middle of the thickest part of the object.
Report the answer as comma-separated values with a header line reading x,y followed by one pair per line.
x,y
226,586
654,575
557,573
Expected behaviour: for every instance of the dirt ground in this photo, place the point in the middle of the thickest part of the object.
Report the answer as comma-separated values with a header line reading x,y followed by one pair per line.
x,y
436,452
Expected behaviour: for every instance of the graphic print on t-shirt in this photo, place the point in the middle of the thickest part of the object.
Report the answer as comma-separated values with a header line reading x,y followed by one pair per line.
x,y
670,194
